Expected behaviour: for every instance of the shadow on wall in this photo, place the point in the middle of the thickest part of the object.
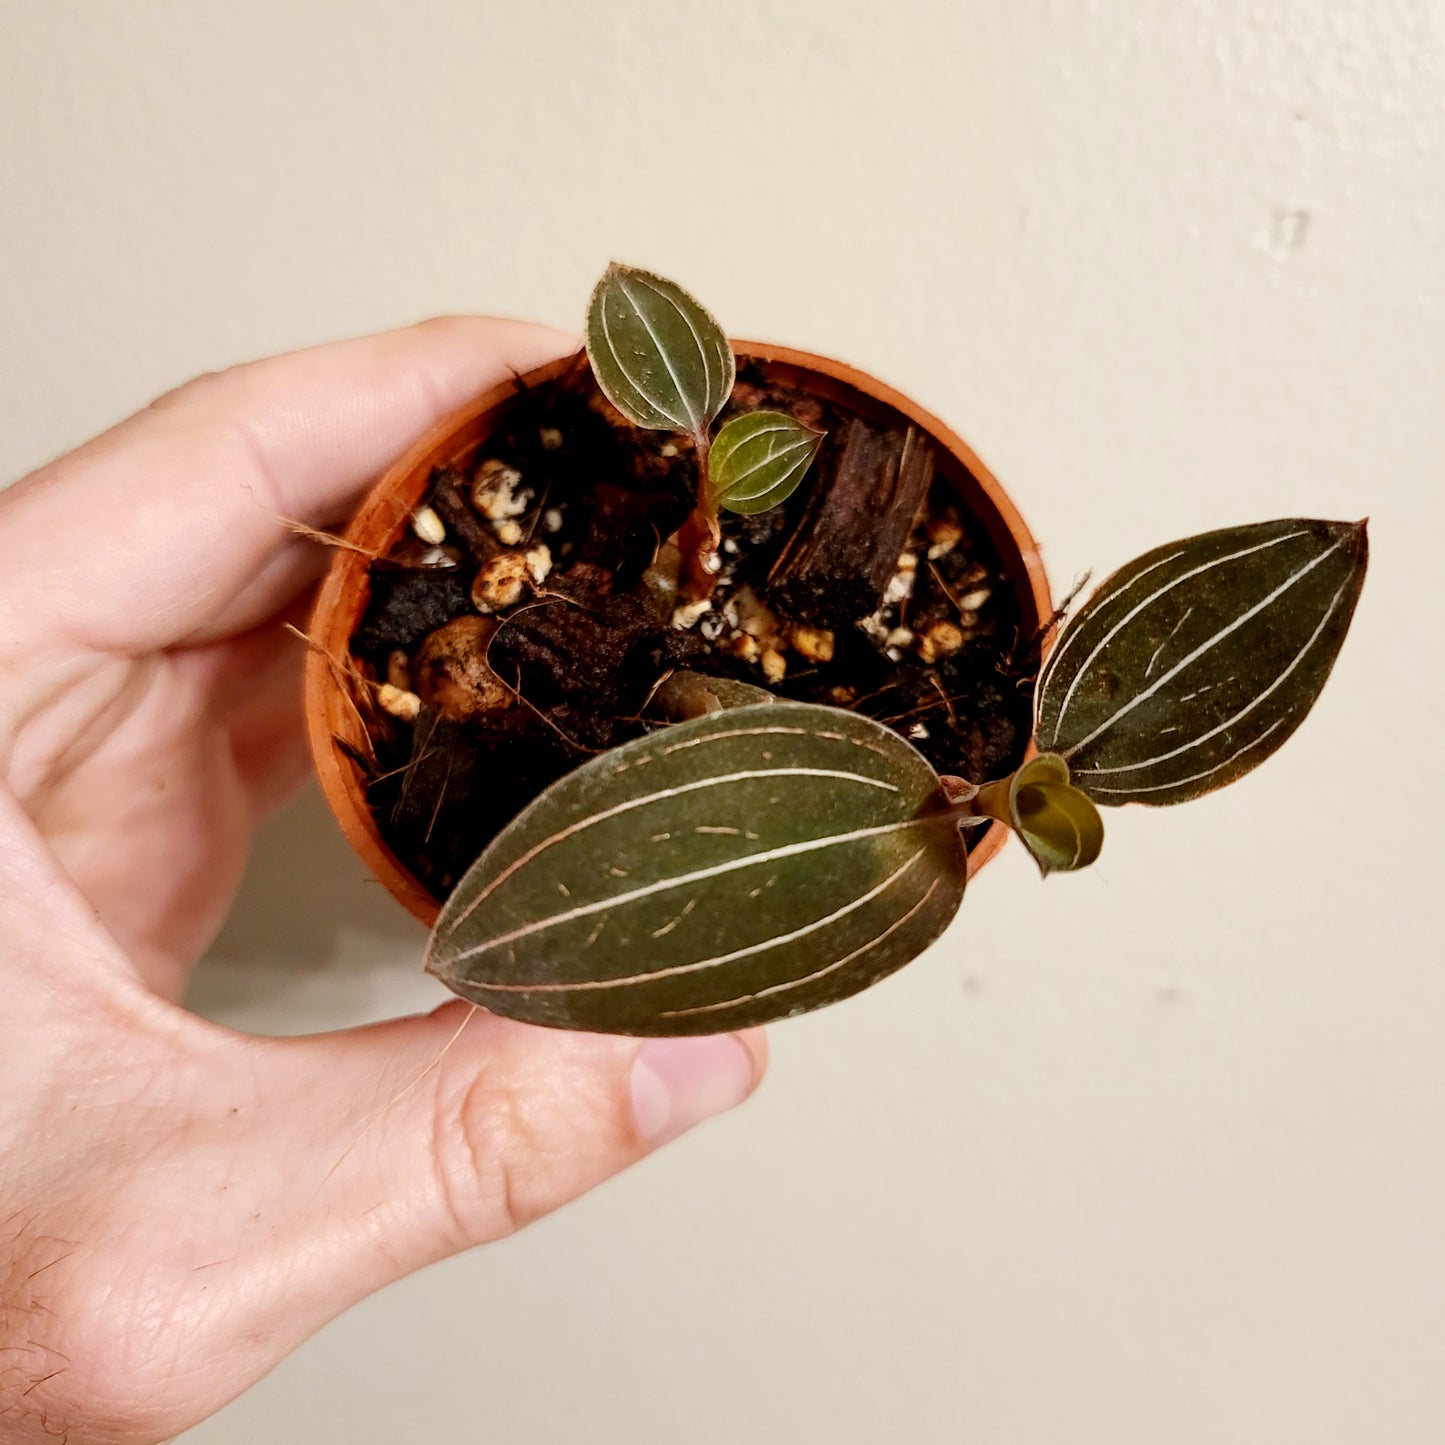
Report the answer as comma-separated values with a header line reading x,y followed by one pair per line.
x,y
312,940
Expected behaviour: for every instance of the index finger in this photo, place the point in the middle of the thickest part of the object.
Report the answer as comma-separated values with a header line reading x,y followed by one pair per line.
x,y
166,529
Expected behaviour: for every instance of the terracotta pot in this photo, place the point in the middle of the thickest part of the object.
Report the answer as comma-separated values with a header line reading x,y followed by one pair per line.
x,y
385,514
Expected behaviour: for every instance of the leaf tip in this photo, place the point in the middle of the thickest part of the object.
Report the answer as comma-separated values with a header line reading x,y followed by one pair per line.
x,y
657,354
1354,539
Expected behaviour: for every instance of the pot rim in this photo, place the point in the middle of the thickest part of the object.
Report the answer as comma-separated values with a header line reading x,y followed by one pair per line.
x,y
387,508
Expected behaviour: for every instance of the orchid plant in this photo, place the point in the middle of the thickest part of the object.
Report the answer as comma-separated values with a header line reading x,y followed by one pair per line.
x,y
759,858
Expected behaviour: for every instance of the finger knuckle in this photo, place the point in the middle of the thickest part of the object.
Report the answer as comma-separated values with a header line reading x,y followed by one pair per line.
x,y
480,1141
505,1156
208,386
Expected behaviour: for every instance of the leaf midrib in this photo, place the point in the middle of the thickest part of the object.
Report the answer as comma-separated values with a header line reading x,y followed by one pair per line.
x,y
699,875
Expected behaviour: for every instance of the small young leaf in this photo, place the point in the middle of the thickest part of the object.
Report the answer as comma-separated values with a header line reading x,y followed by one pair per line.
x,y
1192,664
1057,823
742,867
687,695
759,458
659,357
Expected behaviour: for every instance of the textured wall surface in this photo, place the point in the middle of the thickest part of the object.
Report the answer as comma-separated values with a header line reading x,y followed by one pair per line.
x,y
1149,1156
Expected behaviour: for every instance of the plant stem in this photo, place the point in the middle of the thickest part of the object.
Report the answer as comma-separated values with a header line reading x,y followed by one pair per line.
x,y
960,794
989,801
698,537
704,482
993,800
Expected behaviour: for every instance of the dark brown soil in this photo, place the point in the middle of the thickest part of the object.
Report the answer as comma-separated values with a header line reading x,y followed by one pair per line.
x,y
568,670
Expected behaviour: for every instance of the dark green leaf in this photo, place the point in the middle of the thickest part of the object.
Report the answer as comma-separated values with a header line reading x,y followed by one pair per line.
x,y
1191,665
759,458
659,357
1057,823
738,868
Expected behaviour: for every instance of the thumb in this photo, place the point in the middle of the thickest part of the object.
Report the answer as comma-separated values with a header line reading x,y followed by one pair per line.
x,y
459,1127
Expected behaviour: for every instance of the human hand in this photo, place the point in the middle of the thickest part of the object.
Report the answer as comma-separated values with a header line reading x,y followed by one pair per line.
x,y
181,1205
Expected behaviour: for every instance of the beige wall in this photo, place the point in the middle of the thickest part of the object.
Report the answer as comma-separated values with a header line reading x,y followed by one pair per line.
x,y
1151,1156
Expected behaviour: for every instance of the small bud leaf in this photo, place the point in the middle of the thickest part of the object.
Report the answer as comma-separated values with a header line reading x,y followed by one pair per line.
x,y
1057,823
745,866
659,357
759,458
1191,665
695,694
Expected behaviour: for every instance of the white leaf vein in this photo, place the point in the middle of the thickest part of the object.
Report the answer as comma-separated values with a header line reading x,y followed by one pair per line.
x,y
1206,646
691,423
661,795
813,977
635,382
1075,629
1196,777
1243,713
1153,597
683,880
779,940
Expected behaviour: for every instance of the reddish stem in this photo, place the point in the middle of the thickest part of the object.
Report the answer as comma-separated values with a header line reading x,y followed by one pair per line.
x,y
698,537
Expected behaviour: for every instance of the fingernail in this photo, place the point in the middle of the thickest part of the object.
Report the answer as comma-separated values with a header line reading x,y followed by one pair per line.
x,y
677,1083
